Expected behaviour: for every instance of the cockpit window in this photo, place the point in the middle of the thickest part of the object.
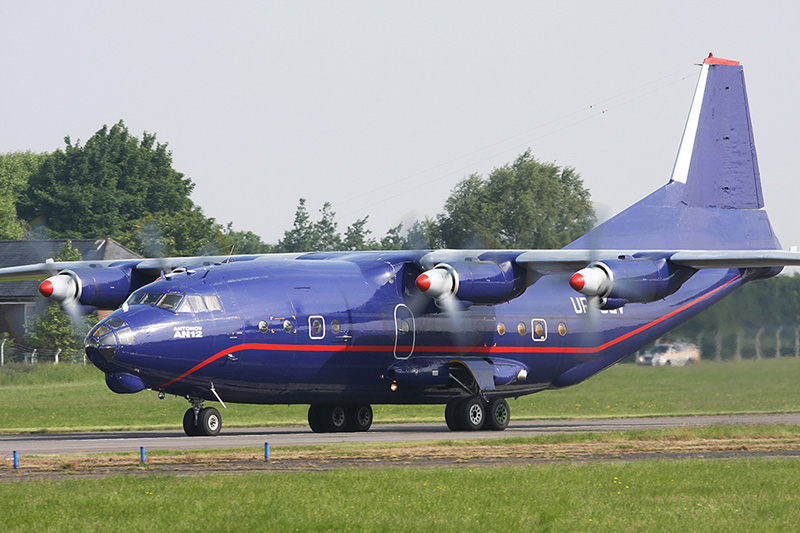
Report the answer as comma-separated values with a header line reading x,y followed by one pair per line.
x,y
201,304
192,303
101,330
197,303
144,298
212,302
115,322
170,302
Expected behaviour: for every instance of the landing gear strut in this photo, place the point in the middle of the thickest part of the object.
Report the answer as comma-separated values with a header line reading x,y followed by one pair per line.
x,y
201,421
323,418
472,414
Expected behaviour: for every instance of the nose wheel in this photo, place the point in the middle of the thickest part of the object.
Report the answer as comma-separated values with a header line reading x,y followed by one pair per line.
x,y
201,421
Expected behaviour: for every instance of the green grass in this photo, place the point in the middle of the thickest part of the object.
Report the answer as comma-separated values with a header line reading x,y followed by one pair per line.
x,y
75,398
735,495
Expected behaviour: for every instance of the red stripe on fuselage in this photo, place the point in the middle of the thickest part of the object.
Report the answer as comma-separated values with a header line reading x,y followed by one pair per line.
x,y
444,349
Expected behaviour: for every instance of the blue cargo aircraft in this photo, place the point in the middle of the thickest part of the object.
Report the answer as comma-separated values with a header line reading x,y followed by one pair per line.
x,y
462,328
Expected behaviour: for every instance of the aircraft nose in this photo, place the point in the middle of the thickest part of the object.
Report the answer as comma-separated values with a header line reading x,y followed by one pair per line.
x,y
105,338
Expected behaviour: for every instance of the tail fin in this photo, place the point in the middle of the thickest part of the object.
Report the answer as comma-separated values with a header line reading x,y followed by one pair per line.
x,y
717,158
713,199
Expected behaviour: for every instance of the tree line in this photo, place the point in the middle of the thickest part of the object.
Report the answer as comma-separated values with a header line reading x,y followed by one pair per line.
x,y
118,186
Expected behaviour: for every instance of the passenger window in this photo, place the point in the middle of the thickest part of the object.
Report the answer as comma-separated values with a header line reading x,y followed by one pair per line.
x,y
316,327
539,329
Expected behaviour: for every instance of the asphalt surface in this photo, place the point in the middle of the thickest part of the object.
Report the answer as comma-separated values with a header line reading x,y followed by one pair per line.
x,y
125,441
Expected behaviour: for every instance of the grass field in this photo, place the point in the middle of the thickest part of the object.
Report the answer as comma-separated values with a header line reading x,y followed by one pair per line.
x,y
689,495
74,398
735,495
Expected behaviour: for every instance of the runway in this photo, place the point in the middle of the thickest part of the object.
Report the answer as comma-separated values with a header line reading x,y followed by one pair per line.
x,y
129,441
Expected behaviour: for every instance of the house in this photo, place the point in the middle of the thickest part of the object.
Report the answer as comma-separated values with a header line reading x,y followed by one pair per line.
x,y
20,300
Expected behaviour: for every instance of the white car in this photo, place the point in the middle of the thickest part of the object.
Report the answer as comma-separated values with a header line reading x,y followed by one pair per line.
x,y
670,354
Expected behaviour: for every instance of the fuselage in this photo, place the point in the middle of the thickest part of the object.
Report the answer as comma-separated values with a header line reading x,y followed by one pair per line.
x,y
280,331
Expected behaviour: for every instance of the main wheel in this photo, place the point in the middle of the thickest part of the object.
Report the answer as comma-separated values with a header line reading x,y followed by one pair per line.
x,y
335,418
189,426
209,422
498,414
359,417
327,418
450,414
471,414
315,421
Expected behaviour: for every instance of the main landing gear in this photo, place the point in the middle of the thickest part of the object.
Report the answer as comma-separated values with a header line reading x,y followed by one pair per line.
x,y
472,414
201,421
324,418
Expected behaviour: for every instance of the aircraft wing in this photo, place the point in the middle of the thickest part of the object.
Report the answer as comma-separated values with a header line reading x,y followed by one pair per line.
x,y
735,258
153,267
564,261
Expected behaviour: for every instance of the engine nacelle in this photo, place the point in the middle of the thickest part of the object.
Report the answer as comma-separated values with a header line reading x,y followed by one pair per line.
x,y
99,287
630,280
479,282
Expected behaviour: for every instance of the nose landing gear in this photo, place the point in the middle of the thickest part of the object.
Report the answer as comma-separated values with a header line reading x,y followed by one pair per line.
x,y
201,421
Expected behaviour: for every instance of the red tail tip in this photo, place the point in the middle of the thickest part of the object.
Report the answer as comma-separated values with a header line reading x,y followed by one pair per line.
x,y
576,281
711,60
46,288
423,282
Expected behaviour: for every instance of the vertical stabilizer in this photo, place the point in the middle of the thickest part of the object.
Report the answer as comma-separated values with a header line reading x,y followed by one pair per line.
x,y
713,200
717,158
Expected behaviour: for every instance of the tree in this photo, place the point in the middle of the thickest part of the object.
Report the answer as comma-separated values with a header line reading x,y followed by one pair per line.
x,y
183,233
245,242
322,235
15,171
526,204
106,186
52,329
124,188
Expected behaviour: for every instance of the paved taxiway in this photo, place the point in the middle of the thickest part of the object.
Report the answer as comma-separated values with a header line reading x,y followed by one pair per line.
x,y
123,441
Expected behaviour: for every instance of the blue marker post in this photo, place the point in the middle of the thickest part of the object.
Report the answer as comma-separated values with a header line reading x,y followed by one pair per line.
x,y
141,452
16,461
266,451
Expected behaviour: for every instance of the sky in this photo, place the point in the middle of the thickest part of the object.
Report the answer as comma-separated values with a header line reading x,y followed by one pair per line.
x,y
381,108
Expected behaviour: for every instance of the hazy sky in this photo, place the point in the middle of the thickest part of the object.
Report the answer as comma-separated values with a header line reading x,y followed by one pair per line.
x,y
381,108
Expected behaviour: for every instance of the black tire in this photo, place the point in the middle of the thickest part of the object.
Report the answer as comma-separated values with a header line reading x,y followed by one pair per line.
x,y
450,414
315,420
471,414
359,417
498,414
327,418
209,422
189,426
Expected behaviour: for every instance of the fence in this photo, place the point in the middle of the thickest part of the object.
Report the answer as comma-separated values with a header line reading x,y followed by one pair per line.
x,y
14,352
746,343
